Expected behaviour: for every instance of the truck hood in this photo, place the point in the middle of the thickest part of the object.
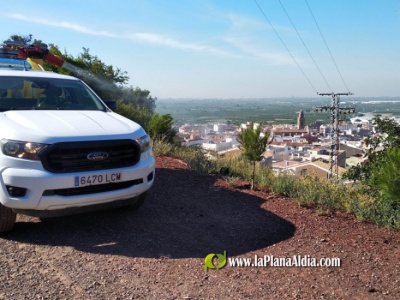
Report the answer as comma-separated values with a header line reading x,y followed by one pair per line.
x,y
54,126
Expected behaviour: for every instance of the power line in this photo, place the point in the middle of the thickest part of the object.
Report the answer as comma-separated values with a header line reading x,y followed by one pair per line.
x,y
305,46
326,44
335,109
283,43
337,114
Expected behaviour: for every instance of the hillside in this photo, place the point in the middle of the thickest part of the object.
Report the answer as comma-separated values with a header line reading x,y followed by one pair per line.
x,y
158,252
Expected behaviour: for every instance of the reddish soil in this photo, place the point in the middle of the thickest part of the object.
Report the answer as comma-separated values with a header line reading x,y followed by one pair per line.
x,y
158,252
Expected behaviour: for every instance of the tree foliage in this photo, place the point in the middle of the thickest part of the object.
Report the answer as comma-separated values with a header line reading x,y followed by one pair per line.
x,y
160,128
386,175
138,97
106,80
377,148
138,114
380,175
253,144
26,39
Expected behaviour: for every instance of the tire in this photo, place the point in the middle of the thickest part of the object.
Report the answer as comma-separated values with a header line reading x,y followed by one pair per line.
x,y
7,218
135,203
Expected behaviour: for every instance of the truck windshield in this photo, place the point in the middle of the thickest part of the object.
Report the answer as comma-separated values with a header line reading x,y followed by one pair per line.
x,y
24,93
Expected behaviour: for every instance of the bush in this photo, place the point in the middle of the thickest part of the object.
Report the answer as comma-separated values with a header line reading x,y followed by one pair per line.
x,y
325,196
232,180
380,175
138,114
162,148
238,167
193,157
160,127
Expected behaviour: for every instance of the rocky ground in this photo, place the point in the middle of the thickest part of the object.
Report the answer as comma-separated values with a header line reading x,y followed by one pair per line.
x,y
158,252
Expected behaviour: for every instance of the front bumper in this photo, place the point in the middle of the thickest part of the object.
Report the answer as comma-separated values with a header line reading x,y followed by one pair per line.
x,y
38,182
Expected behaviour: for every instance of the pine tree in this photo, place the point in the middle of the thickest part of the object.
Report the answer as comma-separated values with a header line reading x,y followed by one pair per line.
x,y
253,144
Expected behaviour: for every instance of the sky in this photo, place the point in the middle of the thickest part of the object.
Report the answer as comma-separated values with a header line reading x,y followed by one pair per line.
x,y
224,48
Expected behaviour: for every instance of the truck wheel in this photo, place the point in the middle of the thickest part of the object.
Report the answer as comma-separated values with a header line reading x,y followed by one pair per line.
x,y
135,203
7,218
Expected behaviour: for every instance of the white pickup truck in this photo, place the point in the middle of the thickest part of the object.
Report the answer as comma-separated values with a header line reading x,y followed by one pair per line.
x,y
63,150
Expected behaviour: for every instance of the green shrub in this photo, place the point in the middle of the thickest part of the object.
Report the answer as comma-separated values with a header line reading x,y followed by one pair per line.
x,y
232,180
138,114
238,167
325,196
162,148
160,127
264,178
380,175
195,158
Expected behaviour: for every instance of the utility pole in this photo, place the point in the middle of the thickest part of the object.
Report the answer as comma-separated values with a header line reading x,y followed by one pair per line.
x,y
337,114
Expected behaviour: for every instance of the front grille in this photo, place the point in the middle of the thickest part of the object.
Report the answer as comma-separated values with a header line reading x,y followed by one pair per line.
x,y
92,189
70,157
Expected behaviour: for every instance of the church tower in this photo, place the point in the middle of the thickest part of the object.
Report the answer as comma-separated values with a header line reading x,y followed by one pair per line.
x,y
300,120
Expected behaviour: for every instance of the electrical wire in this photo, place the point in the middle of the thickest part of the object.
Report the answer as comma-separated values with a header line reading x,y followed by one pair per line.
x,y
305,46
284,45
326,44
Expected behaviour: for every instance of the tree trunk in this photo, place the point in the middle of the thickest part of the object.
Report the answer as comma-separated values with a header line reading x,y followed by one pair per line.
x,y
253,175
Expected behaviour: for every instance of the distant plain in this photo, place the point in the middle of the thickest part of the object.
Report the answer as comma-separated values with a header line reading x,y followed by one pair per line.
x,y
269,110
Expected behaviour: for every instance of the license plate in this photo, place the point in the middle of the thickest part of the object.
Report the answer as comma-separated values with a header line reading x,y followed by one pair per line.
x,y
98,179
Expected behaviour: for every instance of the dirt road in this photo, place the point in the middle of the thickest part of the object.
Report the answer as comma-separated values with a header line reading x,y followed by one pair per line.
x,y
158,252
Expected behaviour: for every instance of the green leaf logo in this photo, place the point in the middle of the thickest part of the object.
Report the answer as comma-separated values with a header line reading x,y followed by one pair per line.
x,y
208,261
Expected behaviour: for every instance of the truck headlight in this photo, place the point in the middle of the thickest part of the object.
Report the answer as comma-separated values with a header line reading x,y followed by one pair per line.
x,y
25,150
144,142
